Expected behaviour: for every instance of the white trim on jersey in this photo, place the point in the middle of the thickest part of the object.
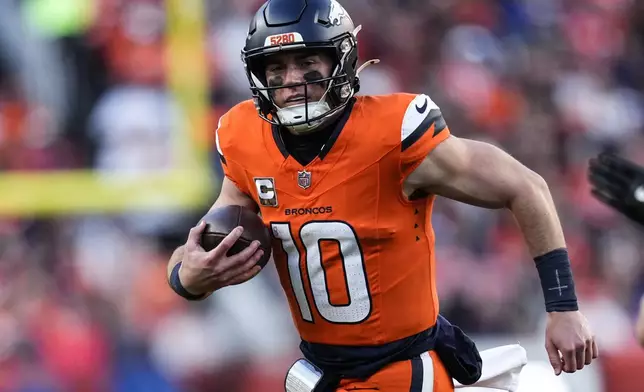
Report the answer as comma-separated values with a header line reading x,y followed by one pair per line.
x,y
217,138
428,372
415,115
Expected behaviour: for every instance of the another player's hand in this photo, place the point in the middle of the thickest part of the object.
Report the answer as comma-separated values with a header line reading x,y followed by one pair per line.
x,y
205,272
569,342
618,183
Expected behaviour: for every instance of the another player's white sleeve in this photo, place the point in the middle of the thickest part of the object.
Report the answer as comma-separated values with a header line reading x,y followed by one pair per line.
x,y
423,128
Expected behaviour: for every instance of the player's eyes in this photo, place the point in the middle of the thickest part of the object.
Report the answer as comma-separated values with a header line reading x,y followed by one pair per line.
x,y
274,68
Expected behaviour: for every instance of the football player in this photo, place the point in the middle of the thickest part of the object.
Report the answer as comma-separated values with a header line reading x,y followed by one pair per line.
x,y
346,184
619,183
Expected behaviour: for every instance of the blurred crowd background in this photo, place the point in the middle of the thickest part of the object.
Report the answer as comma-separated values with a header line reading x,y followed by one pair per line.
x,y
84,84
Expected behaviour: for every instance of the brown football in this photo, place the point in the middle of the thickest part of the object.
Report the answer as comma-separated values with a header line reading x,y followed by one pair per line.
x,y
221,221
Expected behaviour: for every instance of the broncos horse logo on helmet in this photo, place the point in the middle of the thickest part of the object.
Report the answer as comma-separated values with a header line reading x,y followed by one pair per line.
x,y
316,25
337,13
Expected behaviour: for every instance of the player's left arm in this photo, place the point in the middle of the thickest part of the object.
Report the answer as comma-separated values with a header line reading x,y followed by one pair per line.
x,y
481,174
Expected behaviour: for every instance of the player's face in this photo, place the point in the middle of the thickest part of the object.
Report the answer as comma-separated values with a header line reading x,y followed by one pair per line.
x,y
296,67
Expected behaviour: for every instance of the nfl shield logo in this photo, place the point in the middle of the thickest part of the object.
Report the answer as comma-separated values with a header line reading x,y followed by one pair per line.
x,y
304,179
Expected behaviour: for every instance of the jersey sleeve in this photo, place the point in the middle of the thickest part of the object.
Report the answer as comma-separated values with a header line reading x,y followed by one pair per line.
x,y
423,128
232,169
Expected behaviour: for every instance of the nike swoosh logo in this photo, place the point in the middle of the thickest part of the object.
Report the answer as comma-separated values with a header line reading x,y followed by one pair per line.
x,y
421,109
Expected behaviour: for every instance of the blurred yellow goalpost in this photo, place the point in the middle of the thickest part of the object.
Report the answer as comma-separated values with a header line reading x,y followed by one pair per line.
x,y
188,185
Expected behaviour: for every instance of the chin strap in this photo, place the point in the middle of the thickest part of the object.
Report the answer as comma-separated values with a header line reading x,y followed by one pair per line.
x,y
368,63
365,65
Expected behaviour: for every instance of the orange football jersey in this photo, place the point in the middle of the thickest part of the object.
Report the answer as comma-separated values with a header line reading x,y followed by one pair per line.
x,y
354,255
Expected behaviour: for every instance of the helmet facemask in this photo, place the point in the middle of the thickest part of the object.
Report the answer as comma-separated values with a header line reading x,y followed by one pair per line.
x,y
304,117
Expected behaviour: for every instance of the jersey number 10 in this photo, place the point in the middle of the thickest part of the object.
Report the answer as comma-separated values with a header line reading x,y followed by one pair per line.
x,y
311,234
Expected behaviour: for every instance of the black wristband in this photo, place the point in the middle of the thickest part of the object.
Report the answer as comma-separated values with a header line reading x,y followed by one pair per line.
x,y
556,281
178,288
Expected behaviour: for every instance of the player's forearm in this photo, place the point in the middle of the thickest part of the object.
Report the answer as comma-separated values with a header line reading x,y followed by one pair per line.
x,y
176,257
536,215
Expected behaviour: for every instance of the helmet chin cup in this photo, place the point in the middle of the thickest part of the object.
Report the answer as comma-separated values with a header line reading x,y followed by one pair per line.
x,y
294,118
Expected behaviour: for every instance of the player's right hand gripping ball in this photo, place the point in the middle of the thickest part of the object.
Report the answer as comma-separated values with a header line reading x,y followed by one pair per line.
x,y
618,183
221,221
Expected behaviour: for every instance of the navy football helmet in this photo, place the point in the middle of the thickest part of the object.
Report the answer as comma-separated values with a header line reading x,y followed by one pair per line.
x,y
320,25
